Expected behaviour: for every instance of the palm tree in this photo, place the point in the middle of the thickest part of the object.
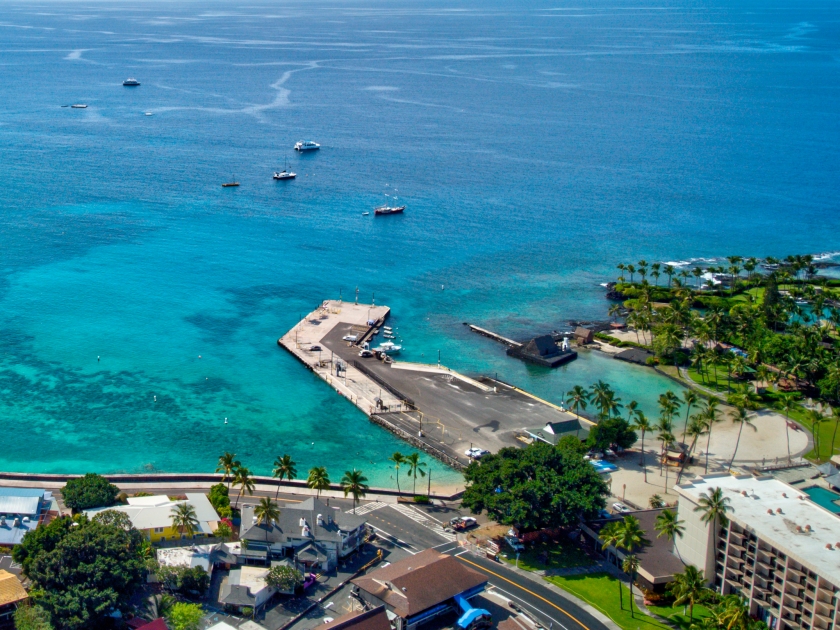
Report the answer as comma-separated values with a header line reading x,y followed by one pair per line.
x,y
397,459
816,419
642,424
242,477
184,519
696,428
227,465
603,397
267,514
668,440
741,417
714,507
284,467
711,417
630,566
787,404
835,413
355,483
689,587
690,398
668,525
625,534
656,501
415,468
577,398
318,480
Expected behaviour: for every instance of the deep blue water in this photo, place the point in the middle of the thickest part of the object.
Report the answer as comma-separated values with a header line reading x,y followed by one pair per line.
x,y
537,145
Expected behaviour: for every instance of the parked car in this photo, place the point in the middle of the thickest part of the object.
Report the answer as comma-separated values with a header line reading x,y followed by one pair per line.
x,y
620,508
476,453
315,348
461,523
365,353
513,543
353,338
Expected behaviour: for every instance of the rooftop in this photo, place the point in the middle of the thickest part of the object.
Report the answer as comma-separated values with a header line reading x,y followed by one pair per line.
x,y
193,556
373,619
289,524
11,590
414,584
780,514
25,504
156,511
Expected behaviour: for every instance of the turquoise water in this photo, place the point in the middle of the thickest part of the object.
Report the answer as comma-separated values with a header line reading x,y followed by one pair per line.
x,y
536,147
824,498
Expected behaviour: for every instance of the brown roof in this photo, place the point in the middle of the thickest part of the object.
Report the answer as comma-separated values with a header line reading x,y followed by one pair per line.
x,y
11,590
419,582
375,619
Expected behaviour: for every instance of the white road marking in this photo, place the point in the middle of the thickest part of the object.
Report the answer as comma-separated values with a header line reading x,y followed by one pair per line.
x,y
420,518
369,507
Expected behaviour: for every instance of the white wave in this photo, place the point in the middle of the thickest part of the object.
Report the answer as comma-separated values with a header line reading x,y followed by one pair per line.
x,y
381,88
825,255
75,54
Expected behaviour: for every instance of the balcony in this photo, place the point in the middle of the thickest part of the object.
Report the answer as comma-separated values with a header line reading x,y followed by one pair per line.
x,y
797,573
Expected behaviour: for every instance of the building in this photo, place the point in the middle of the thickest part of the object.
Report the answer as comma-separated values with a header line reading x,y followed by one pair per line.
x,y
780,551
314,534
22,510
12,594
245,587
553,432
420,587
153,516
658,563
543,351
207,557
373,619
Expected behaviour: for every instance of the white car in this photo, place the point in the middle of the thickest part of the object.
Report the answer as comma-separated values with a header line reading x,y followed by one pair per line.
x,y
365,353
352,338
620,508
476,453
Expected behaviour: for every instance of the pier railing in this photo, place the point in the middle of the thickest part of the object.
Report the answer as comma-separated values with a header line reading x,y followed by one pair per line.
x,y
385,385
417,442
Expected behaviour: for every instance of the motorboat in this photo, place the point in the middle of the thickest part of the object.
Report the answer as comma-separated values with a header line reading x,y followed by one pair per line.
x,y
131,83
79,106
387,336
364,214
388,210
388,347
285,173
306,145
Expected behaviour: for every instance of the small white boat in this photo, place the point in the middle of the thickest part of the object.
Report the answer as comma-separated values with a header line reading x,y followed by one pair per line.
x,y
389,336
388,347
148,113
364,214
306,145
131,83
285,173
79,106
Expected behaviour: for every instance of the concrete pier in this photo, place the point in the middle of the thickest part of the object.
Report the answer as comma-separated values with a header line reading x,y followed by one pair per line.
x,y
432,407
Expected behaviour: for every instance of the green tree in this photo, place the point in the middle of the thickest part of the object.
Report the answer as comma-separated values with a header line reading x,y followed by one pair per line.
x,y
668,525
267,513
398,459
611,431
318,480
219,498
690,398
227,466
741,418
90,491
656,501
415,468
642,424
242,477
83,569
787,404
630,565
184,519
534,487
284,468
711,417
625,534
689,587
284,578
714,507
355,483
28,617
223,531
577,398
184,616
815,418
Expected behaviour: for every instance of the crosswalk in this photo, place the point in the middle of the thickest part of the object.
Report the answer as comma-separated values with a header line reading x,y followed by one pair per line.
x,y
368,507
421,519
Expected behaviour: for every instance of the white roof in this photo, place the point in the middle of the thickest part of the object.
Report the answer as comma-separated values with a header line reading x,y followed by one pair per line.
x,y
221,626
752,497
156,511
252,577
19,505
191,557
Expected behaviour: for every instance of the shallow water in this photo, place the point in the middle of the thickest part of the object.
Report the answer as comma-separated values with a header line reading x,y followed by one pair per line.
x,y
536,147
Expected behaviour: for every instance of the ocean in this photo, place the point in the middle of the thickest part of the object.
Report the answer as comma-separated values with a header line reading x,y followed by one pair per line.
x,y
536,146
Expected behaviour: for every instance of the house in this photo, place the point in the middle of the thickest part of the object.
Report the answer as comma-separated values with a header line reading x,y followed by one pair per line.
x,y
12,594
543,351
245,587
22,510
373,619
315,534
658,563
205,556
418,588
779,551
153,516
584,335
553,432
137,622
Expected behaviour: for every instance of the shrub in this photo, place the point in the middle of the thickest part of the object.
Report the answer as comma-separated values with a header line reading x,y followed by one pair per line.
x,y
421,498
183,616
219,499
284,578
90,491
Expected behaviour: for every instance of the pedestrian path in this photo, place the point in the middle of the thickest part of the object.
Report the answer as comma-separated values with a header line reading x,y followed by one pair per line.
x,y
421,519
367,508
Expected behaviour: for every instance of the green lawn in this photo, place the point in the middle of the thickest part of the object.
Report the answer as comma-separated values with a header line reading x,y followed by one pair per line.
x,y
675,614
600,590
560,555
710,380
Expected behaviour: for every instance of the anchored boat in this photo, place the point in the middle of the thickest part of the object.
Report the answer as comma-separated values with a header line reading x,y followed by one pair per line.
x,y
131,83
306,145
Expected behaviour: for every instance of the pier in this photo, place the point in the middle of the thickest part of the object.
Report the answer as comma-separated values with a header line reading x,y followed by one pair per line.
x,y
432,407
510,343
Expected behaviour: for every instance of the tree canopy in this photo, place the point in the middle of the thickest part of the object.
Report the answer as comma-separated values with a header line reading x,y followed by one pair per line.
x,y
184,616
82,569
611,431
90,491
535,487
